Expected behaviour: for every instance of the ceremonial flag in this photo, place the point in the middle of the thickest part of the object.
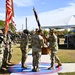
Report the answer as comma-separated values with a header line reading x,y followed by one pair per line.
x,y
9,14
36,16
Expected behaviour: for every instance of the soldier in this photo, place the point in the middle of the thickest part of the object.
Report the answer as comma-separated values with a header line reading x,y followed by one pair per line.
x,y
54,49
24,47
8,49
1,48
37,43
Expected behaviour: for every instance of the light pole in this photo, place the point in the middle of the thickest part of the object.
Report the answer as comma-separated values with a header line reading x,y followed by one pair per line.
x,y
26,22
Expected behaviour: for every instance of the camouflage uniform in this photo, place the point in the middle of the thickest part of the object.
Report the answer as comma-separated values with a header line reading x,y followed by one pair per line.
x,y
8,49
1,49
54,48
24,48
37,43
5,52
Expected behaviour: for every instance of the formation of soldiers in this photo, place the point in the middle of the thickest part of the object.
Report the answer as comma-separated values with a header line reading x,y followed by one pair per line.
x,y
6,48
37,42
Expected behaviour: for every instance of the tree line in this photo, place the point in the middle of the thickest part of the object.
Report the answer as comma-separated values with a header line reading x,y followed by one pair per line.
x,y
2,25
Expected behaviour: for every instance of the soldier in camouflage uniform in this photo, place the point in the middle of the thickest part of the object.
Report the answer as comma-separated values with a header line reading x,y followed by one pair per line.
x,y
54,49
37,43
24,47
8,49
1,48
5,52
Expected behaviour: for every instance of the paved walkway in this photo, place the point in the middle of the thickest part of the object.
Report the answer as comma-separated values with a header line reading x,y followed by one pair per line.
x,y
66,67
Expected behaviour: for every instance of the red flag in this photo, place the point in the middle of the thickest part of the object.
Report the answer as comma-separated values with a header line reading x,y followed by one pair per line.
x,y
36,16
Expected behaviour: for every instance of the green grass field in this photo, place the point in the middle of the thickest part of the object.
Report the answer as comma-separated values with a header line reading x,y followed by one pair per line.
x,y
69,73
65,55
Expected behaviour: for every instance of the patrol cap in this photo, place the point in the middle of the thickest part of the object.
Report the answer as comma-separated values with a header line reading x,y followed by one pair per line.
x,y
52,30
36,29
26,31
1,32
40,30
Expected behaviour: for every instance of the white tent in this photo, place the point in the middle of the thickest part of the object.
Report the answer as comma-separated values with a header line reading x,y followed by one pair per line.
x,y
67,22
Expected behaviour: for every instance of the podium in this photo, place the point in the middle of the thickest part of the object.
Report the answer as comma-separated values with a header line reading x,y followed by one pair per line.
x,y
45,50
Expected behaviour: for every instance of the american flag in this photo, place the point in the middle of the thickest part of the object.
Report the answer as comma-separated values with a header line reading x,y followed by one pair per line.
x,y
9,14
36,16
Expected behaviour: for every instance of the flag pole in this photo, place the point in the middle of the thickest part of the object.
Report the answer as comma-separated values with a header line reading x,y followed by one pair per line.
x,y
36,17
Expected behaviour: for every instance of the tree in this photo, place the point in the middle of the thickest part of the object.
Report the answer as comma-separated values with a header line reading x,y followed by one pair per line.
x,y
2,24
45,32
12,27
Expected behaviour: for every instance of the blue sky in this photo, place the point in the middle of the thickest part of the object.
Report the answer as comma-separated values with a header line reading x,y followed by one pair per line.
x,y
49,11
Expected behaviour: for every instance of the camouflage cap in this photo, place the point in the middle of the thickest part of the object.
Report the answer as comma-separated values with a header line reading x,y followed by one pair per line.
x,y
1,31
36,29
52,30
26,31
40,30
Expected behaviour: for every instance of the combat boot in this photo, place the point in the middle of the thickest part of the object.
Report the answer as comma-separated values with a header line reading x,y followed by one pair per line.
x,y
9,61
37,69
51,68
34,70
59,64
24,66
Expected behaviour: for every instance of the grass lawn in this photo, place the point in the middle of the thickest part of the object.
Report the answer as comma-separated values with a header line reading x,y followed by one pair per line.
x,y
16,54
69,73
66,56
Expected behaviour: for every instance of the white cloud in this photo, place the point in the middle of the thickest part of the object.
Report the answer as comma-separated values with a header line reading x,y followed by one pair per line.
x,y
47,18
23,2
